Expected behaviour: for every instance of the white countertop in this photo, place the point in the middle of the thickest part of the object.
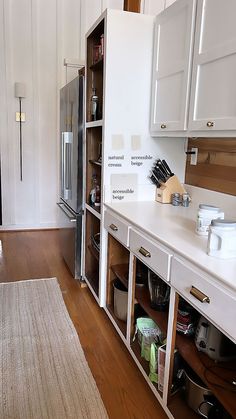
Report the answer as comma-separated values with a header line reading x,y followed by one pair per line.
x,y
175,228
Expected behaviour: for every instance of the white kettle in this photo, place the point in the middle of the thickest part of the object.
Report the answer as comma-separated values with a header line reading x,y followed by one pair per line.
x,y
222,239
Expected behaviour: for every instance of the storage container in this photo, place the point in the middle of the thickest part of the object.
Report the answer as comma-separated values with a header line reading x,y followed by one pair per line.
x,y
207,213
196,393
222,239
159,292
120,300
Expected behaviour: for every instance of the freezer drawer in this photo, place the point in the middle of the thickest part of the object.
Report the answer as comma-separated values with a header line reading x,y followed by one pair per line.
x,y
70,234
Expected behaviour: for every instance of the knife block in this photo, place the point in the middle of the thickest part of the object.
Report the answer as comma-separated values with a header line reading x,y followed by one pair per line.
x,y
172,185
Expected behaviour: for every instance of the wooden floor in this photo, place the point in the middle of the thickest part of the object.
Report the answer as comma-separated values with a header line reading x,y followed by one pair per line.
x,y
35,254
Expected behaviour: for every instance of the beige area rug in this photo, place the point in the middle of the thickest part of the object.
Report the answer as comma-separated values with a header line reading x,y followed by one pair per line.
x,y
43,372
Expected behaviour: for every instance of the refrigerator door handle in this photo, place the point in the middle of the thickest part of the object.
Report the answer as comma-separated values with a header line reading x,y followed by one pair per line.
x,y
67,139
61,206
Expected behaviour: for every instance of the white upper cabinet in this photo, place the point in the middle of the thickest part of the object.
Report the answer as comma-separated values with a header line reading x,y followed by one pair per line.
x,y
172,57
213,91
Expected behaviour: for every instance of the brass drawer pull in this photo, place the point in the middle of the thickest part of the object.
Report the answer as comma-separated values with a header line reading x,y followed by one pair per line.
x,y
199,295
210,124
144,252
113,227
163,126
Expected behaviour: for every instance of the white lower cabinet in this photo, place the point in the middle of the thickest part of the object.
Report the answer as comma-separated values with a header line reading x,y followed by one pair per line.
x,y
152,254
156,316
117,227
210,300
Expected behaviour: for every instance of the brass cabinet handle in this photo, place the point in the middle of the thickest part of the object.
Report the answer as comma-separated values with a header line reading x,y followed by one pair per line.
x,y
113,227
199,295
163,126
144,252
210,124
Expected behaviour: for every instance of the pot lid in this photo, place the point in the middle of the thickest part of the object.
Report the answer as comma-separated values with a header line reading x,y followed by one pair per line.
x,y
209,207
223,223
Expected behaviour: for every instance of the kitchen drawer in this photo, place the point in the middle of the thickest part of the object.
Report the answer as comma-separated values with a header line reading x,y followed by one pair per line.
x,y
152,254
117,227
219,307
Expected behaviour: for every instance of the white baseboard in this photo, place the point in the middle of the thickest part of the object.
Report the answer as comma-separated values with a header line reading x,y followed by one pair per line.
x,y
43,226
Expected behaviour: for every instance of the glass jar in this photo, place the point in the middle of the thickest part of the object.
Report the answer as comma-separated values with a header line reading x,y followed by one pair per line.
x,y
94,106
159,292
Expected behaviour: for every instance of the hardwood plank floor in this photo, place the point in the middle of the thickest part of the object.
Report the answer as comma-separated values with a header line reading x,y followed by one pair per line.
x,y
36,254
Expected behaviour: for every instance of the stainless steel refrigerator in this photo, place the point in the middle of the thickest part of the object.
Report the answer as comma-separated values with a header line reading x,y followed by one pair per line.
x,y
71,173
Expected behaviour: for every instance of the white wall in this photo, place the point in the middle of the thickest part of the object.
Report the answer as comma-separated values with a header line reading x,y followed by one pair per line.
x,y
35,37
154,7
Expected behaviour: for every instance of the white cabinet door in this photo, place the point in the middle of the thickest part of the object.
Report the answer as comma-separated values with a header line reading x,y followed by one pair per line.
x,y
172,67
213,92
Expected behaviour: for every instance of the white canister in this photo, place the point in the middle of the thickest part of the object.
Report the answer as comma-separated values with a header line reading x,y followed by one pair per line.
x,y
207,213
222,239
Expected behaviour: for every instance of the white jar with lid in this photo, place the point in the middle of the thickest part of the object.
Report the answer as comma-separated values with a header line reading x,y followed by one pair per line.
x,y
205,214
222,239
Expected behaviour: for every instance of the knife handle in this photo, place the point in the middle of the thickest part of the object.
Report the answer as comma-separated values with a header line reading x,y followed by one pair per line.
x,y
162,168
159,175
155,180
167,168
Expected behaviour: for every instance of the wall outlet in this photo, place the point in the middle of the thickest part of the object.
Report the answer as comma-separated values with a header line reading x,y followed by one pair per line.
x,y
193,159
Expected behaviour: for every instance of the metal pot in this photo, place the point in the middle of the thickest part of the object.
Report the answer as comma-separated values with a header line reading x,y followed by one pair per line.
x,y
216,410
196,393
120,300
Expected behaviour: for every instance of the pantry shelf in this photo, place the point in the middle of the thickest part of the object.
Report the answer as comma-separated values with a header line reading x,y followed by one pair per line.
x,y
93,251
178,407
93,279
94,210
159,317
121,271
212,374
95,162
97,66
122,325
136,348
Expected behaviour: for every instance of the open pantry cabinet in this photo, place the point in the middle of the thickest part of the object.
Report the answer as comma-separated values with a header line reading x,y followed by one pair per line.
x,y
92,252
118,155
149,324
133,308
207,366
117,284
93,160
187,361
